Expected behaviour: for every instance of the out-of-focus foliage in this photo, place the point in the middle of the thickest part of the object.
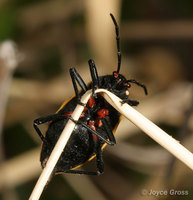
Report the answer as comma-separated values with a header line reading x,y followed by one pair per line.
x,y
157,48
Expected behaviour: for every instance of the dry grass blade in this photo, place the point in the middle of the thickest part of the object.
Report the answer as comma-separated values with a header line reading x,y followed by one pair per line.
x,y
157,134
65,135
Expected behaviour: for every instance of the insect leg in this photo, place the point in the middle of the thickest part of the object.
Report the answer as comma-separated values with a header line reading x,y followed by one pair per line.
x,y
99,162
91,130
76,77
139,84
108,130
99,159
97,134
94,75
130,102
43,120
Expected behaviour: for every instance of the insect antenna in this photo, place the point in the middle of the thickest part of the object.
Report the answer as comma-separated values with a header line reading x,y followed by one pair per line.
x,y
118,42
139,84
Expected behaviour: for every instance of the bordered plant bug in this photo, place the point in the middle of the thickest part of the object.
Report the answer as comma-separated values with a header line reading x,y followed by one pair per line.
x,y
97,124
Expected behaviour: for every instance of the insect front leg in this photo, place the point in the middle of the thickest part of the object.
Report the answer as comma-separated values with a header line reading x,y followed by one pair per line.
x,y
94,76
76,77
139,84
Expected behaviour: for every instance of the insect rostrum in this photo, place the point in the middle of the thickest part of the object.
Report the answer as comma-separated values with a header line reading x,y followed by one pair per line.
x,y
97,124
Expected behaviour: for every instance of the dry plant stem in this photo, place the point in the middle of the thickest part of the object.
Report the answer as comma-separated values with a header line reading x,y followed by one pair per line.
x,y
157,134
65,135
8,62
134,116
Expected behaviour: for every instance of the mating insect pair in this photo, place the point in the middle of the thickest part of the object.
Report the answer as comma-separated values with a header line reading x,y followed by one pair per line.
x,y
97,124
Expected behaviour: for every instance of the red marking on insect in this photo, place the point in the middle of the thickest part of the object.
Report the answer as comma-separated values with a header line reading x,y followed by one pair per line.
x,y
91,124
115,74
83,114
127,84
102,113
98,122
68,114
85,108
91,102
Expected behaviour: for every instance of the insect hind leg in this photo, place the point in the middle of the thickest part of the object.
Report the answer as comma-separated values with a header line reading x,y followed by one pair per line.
x,y
43,120
99,165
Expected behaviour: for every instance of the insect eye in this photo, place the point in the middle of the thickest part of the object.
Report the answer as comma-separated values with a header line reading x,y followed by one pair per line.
x,y
115,74
128,85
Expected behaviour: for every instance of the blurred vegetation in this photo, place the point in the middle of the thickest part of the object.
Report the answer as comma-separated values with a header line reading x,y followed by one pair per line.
x,y
157,48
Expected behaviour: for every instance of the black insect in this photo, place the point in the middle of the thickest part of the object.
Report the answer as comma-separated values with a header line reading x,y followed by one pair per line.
x,y
97,124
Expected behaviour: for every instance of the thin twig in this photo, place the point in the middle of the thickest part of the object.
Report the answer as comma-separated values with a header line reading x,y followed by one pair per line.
x,y
61,143
135,117
157,134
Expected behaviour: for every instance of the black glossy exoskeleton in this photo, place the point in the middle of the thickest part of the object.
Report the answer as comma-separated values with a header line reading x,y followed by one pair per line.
x,y
97,124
